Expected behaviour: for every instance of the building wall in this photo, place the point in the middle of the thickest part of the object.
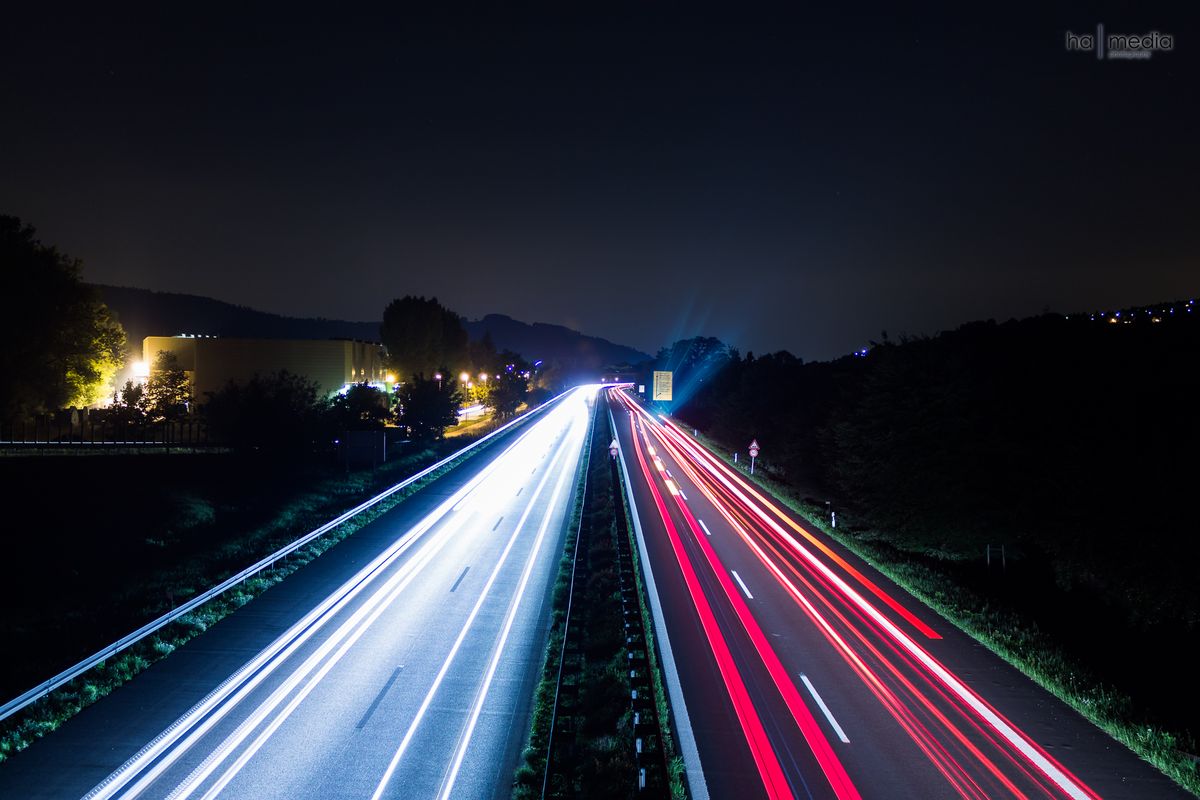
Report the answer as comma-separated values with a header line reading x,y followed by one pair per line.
x,y
213,362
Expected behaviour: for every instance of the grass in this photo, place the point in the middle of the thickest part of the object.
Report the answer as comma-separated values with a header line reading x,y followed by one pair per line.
x,y
480,424
600,762
1015,639
527,782
307,511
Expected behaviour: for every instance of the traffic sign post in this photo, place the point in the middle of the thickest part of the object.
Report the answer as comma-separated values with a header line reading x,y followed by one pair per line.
x,y
753,454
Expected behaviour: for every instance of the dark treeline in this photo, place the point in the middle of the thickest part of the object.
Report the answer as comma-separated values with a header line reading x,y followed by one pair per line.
x,y
1071,440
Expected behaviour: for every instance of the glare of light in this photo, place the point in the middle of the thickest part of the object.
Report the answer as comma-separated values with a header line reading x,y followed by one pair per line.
x,y
464,377
483,377
141,369
437,376
391,378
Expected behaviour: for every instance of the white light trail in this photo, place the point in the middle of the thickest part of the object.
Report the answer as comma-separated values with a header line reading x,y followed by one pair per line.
x,y
161,754
462,634
465,740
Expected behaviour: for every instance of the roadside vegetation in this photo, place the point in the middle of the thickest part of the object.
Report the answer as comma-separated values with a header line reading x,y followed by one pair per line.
x,y
596,659
1069,442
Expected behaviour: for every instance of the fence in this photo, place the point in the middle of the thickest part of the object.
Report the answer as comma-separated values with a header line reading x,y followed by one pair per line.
x,y
84,429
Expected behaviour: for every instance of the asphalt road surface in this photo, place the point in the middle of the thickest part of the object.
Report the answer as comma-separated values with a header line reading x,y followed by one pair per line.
x,y
399,664
799,671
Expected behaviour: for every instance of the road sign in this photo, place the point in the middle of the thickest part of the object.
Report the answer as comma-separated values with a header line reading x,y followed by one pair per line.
x,y
663,384
613,448
754,449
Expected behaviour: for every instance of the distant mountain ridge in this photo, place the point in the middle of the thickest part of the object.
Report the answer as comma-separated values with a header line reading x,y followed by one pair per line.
x,y
144,312
552,342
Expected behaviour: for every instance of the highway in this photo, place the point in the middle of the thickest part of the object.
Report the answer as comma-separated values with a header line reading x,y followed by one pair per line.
x,y
802,672
399,664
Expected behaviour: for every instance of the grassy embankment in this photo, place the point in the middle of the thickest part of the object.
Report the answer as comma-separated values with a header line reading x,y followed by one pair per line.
x,y
187,523
1015,639
594,735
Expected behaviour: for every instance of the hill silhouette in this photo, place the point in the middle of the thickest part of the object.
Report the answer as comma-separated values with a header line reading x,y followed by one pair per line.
x,y
148,313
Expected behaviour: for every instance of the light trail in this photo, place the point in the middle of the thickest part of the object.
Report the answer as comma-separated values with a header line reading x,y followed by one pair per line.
x,y
481,491
996,727
831,765
770,772
477,708
463,631
566,445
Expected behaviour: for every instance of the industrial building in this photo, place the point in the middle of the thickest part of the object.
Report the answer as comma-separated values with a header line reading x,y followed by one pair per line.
x,y
211,362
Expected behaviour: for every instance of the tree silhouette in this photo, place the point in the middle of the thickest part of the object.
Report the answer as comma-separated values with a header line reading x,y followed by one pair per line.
x,y
427,407
59,345
422,336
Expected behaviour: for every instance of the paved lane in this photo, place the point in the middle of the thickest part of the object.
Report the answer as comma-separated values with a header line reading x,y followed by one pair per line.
x,y
851,687
408,677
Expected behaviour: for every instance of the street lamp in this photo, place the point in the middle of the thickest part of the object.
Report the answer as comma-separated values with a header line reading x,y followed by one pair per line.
x,y
464,377
438,377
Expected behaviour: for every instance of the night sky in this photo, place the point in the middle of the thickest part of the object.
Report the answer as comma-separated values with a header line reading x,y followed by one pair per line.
x,y
795,180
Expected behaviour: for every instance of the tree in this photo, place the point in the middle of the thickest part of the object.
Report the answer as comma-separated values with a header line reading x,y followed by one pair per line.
x,y
168,393
422,337
280,413
130,404
60,346
426,408
362,407
507,385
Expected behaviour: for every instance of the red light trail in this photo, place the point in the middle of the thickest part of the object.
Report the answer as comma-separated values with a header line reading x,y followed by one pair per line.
x,y
976,749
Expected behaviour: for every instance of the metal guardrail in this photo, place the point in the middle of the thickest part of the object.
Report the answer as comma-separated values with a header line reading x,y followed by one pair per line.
x,y
587,466
69,674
